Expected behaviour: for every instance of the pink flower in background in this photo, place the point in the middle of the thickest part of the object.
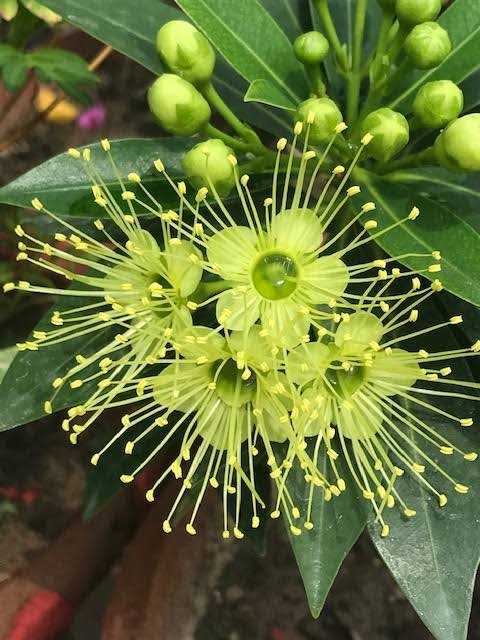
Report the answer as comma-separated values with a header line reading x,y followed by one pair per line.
x,y
92,118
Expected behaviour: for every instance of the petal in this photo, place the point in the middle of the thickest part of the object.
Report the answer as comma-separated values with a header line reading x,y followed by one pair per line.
x,y
232,252
183,274
319,405
215,419
307,361
354,336
324,279
274,408
286,326
197,342
237,310
359,420
393,369
256,348
174,376
297,231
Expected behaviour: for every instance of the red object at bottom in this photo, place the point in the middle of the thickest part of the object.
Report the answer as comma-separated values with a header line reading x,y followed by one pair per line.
x,y
43,617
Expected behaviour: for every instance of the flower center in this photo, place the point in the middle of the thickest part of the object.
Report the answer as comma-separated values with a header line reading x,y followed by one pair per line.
x,y
231,388
345,383
275,276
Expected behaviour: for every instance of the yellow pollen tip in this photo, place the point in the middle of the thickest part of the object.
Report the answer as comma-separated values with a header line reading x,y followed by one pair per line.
x,y
368,206
385,531
232,160
86,154
237,533
367,138
446,371
129,448
456,320
275,514
73,153
418,468
126,479
190,529
8,286
434,268
308,525
244,180
353,191
47,407
341,127
298,128
37,204
447,451
414,213
370,224
295,530
442,500
461,488
409,513
166,526
225,534
471,457
105,144
201,194
281,144
310,117
128,195
338,170
466,422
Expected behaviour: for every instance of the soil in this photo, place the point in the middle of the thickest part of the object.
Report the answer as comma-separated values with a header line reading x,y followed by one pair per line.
x,y
254,598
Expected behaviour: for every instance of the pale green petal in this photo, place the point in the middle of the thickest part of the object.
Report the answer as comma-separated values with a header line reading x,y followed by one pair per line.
x,y
175,375
319,406
233,251
201,342
297,231
354,337
215,420
286,326
237,310
184,275
308,361
359,420
274,407
393,369
324,279
145,251
256,349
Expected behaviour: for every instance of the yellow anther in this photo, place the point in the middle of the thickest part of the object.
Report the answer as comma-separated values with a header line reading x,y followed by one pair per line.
x,y
60,237
368,206
434,268
244,180
442,499
456,320
86,155
129,448
126,479
57,383
47,407
105,144
74,153
423,354
436,285
150,496
309,155
370,224
281,144
237,533
409,513
310,117
353,191
327,495
398,472
418,468
94,459
341,127
416,284
471,457
466,422
461,488
37,204
268,202
298,128
390,502
192,305
98,224
225,534
134,177
166,526
201,194
101,201
125,420
338,170
76,384
335,490
446,371
384,306
8,286
214,483
295,530
367,138
308,525
385,531
437,255
255,522
19,231
414,213
128,195
448,451
275,514
159,166
190,529
476,346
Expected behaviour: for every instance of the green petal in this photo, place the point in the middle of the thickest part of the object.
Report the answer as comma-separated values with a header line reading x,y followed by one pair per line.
x,y
303,422
393,369
145,251
297,231
215,420
184,275
257,349
232,251
285,325
353,337
165,385
307,361
324,279
359,420
243,309
197,342
274,406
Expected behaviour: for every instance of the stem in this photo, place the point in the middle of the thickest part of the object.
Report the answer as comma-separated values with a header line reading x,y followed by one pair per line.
x,y
316,79
354,78
331,33
212,132
427,156
22,131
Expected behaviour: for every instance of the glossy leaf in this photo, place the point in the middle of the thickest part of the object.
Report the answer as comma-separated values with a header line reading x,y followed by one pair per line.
x,y
6,357
251,41
438,228
28,381
462,21
337,525
434,556
264,91
63,186
132,32
292,16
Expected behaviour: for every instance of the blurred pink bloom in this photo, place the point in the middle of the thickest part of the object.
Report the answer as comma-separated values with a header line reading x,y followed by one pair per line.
x,y
92,118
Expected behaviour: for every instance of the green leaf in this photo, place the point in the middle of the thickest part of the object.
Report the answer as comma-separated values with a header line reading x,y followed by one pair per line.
x,y
69,71
6,357
28,381
251,41
462,21
438,228
292,16
14,66
132,32
434,556
264,91
63,186
337,525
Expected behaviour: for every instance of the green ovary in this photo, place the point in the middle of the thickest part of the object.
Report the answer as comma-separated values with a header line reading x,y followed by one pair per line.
x,y
345,383
230,386
275,276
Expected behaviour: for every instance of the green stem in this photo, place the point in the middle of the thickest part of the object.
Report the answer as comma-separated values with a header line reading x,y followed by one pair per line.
x,y
427,156
386,25
316,80
245,132
212,132
331,33
355,76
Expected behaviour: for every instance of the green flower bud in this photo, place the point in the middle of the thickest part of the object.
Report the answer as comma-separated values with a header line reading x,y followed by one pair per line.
x,y
438,103
390,133
207,163
311,48
326,116
427,45
412,12
178,106
458,146
186,51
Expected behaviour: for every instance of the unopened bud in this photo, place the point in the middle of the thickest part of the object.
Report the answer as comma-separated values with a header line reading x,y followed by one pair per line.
x,y
390,132
311,48
208,163
458,146
438,103
412,12
427,45
324,116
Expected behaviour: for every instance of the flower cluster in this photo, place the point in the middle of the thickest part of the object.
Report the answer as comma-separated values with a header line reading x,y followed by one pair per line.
x,y
305,340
